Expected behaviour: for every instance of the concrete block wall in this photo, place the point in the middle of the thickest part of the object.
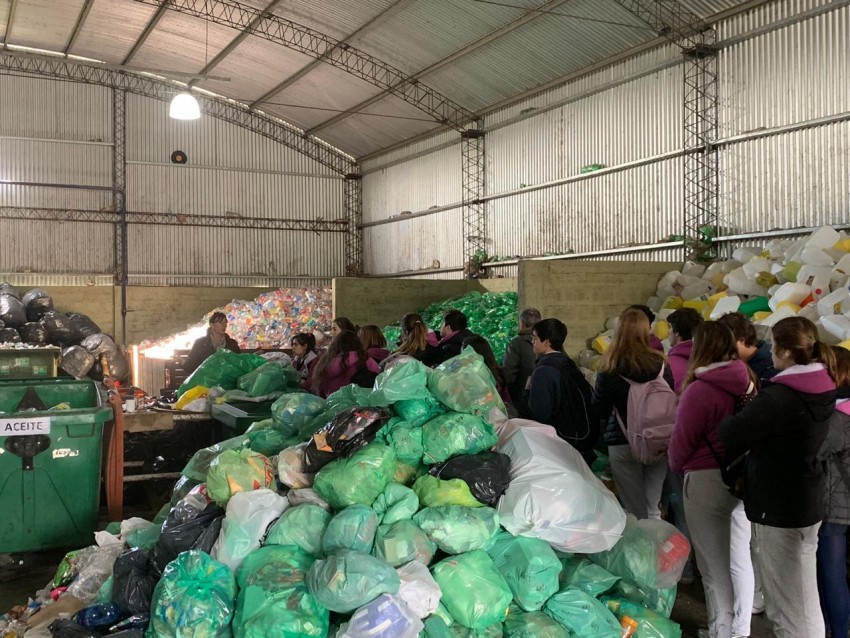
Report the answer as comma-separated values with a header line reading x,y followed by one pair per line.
x,y
583,294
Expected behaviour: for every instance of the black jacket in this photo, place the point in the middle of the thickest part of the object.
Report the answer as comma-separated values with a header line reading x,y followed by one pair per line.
x,y
783,429
447,349
203,348
612,391
518,364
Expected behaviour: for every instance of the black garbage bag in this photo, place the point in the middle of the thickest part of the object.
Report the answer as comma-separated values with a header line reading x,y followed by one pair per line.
x,y
182,532
63,628
32,294
488,474
59,329
104,349
8,289
34,333
12,311
134,581
76,361
10,335
36,308
82,325
349,431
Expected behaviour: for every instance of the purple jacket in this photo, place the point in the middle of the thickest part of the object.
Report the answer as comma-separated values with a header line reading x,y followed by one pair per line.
x,y
703,405
655,342
679,357
377,354
337,375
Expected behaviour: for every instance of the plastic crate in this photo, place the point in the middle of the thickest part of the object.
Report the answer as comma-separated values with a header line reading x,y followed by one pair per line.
x,y
29,363
239,416
50,482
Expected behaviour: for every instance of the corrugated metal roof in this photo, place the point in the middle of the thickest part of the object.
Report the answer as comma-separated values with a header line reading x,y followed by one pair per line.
x,y
476,53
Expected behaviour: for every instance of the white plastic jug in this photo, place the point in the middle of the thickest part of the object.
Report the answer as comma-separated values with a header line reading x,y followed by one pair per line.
x,y
795,293
817,278
740,284
693,270
783,313
746,253
776,248
837,325
824,237
840,273
724,306
835,303
695,290
814,256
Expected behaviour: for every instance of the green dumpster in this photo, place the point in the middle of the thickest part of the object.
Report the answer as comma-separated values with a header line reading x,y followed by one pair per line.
x,y
239,415
50,463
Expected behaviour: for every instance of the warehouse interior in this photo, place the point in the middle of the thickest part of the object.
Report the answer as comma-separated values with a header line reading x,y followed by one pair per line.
x,y
289,162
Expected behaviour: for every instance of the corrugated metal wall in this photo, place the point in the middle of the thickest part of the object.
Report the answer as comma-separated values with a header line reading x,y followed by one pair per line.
x,y
61,133
782,64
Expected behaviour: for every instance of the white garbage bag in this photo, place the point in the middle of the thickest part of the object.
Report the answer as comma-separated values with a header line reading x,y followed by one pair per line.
x,y
248,516
418,588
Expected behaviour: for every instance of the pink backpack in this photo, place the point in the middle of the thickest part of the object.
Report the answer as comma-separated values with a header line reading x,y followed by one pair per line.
x,y
651,415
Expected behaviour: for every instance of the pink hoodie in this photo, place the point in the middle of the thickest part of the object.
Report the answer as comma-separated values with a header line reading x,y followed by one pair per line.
x,y
338,377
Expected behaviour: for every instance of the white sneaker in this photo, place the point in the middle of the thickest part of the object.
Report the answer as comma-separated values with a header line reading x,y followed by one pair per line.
x,y
758,604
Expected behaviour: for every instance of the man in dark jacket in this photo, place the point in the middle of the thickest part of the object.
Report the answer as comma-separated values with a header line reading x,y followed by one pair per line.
x,y
519,359
216,339
753,352
555,382
454,332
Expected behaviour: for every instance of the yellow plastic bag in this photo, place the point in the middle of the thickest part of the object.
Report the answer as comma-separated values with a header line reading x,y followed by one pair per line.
x,y
198,392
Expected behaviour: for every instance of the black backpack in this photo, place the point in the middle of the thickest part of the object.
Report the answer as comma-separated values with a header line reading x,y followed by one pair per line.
x,y
364,377
574,422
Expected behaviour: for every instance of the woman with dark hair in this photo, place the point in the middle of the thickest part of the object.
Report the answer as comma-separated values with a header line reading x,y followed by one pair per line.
x,y
630,356
482,347
832,536
783,429
374,342
414,342
304,348
342,324
343,359
215,339
717,380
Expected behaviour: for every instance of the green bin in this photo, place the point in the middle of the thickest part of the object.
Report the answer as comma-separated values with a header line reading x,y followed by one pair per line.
x,y
239,415
29,363
49,480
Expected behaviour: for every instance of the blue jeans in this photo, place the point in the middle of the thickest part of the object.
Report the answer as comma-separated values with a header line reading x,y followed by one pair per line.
x,y
832,578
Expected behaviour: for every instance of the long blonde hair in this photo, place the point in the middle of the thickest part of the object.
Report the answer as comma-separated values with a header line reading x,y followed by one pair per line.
x,y
630,353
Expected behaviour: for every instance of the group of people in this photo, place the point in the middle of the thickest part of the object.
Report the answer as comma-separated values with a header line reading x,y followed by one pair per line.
x,y
756,471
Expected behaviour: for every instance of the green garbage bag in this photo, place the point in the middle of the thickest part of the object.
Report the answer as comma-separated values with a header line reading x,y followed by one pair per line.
x,y
418,412
360,478
294,411
405,439
433,492
650,623
456,530
455,433
402,542
402,382
302,525
396,503
235,471
474,592
529,566
465,384
582,614
273,596
223,368
347,580
196,596
660,600
199,465
532,624
264,380
404,474
586,575
268,441
144,538
353,528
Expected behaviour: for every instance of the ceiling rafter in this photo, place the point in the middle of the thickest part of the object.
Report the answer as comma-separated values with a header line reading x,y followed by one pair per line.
x,y
146,32
333,52
78,27
469,48
9,21
235,42
19,63
292,79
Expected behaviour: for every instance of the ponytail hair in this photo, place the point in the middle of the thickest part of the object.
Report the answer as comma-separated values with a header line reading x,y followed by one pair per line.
x,y
414,335
840,369
799,338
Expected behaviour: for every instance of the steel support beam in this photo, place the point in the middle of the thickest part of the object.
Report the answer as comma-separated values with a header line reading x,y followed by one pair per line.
x,y
318,45
221,108
354,218
119,182
10,21
149,27
697,39
78,27
474,211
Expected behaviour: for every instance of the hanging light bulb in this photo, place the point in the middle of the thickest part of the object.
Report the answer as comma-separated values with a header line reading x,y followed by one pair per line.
x,y
184,106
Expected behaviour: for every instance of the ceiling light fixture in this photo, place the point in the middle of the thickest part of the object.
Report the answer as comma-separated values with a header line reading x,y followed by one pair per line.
x,y
184,106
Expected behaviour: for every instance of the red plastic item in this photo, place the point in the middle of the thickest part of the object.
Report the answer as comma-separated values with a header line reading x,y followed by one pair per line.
x,y
809,299
58,592
673,552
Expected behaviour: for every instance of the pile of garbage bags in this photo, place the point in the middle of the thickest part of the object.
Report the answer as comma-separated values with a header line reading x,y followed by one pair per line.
x,y
492,315
31,320
267,322
393,513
